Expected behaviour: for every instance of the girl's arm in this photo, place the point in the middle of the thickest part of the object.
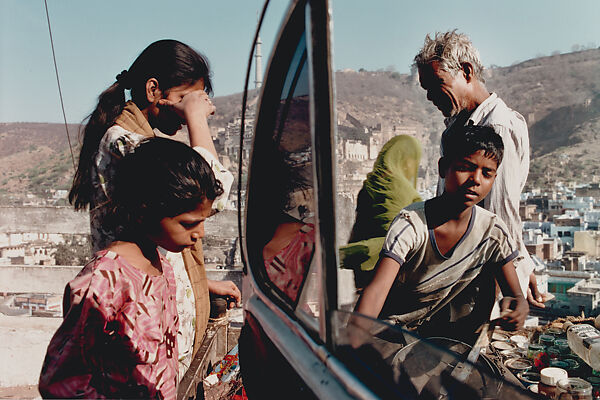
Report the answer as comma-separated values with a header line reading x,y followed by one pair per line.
x,y
195,107
509,284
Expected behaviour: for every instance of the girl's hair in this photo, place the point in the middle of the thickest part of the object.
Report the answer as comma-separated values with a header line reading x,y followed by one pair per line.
x,y
464,140
172,63
161,178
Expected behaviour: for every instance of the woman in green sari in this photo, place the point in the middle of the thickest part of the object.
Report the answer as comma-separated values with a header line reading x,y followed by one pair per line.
x,y
389,188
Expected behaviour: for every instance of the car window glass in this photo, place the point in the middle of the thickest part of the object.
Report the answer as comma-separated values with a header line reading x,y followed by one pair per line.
x,y
281,227
395,363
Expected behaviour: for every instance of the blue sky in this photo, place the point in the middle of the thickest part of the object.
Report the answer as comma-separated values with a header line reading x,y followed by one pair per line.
x,y
95,40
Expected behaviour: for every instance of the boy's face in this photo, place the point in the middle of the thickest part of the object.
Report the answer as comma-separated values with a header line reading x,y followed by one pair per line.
x,y
469,179
176,233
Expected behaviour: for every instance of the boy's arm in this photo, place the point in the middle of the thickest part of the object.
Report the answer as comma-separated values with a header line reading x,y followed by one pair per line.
x,y
509,284
371,301
373,297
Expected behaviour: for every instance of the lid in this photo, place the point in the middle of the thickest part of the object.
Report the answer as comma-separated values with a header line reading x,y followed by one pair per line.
x,y
503,346
575,386
518,339
554,331
560,364
553,351
573,364
497,336
535,346
551,375
510,353
518,364
529,377
546,339
563,345
594,380
534,388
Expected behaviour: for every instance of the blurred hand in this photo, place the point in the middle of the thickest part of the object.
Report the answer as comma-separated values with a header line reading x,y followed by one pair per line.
x,y
227,289
534,297
513,311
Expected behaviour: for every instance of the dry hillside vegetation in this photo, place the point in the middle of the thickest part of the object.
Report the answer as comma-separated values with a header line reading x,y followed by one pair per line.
x,y
558,95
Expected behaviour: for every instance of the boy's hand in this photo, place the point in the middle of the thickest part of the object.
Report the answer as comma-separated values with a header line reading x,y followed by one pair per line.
x,y
513,311
227,289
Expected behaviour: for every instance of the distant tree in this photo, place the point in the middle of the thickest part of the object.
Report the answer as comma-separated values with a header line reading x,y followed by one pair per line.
x,y
395,75
361,70
72,253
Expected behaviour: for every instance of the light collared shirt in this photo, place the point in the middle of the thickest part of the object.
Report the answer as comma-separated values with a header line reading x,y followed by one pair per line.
x,y
503,200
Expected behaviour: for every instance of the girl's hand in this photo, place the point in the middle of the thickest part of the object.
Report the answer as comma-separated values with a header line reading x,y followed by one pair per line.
x,y
226,288
193,104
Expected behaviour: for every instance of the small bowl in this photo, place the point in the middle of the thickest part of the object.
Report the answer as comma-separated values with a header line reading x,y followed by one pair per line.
x,y
499,337
519,340
503,346
529,377
516,365
510,353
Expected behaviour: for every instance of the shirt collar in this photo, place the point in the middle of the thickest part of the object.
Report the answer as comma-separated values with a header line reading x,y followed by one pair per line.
x,y
483,109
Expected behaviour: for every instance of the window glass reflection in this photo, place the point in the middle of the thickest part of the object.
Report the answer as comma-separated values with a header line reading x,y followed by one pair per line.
x,y
283,164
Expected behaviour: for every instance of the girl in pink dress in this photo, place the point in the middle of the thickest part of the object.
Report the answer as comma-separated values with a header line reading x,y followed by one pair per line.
x,y
118,337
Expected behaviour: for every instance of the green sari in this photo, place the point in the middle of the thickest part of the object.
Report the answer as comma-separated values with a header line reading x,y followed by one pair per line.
x,y
388,189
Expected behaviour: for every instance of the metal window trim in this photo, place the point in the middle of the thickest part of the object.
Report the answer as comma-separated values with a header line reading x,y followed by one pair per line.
x,y
333,381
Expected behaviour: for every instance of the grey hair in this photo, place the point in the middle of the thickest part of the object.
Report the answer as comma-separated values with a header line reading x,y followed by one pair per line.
x,y
451,50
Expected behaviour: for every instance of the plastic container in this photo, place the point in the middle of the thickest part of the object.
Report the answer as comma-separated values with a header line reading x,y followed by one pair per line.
x,y
560,364
549,378
553,352
595,381
563,346
574,389
556,332
584,340
547,340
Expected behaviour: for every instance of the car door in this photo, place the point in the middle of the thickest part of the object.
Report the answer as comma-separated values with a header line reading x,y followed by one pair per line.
x,y
297,342
283,231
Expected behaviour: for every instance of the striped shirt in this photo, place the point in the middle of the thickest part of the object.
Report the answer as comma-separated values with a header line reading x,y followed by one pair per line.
x,y
504,198
427,280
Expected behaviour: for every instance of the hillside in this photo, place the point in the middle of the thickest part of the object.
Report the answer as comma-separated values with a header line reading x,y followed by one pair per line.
x,y
558,95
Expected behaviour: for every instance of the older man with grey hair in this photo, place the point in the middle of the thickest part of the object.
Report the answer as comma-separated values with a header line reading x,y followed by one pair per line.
x,y
451,72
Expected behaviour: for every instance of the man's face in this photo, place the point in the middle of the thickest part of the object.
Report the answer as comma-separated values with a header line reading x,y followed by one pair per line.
x,y
469,179
446,91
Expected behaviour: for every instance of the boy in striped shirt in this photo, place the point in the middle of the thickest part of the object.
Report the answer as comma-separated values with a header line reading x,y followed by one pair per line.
x,y
438,263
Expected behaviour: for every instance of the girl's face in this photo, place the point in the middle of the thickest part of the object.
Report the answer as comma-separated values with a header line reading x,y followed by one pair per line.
x,y
184,230
165,118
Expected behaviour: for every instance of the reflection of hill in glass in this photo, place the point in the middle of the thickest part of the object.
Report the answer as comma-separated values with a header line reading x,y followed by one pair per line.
x,y
295,135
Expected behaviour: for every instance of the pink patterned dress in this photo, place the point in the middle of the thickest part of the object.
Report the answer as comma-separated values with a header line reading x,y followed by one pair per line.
x,y
287,268
118,337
